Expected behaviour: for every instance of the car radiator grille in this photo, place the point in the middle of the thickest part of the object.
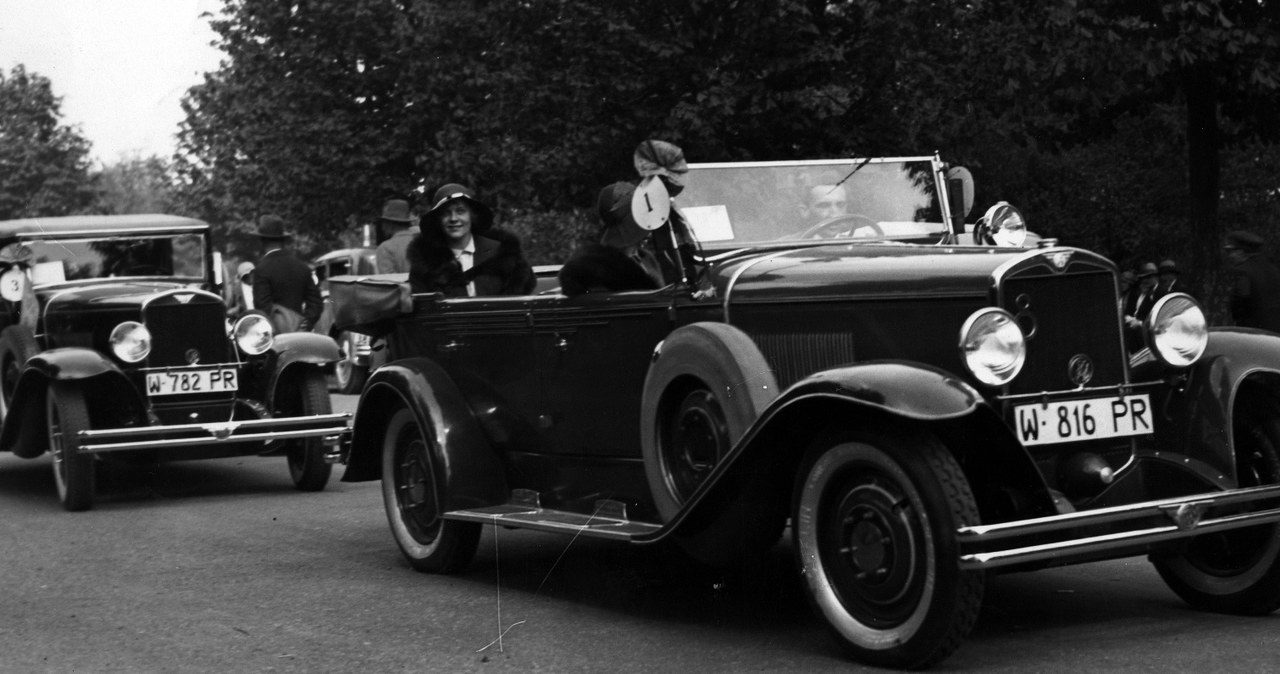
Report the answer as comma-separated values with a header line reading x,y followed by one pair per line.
x,y
178,328
1065,316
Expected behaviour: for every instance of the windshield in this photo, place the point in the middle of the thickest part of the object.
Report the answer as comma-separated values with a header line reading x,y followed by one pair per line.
x,y
757,203
151,255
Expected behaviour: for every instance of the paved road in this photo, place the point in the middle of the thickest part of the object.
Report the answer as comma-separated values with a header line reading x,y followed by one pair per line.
x,y
221,566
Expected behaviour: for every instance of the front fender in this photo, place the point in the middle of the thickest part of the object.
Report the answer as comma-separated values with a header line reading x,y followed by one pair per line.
x,y
25,427
1197,415
756,479
471,474
293,349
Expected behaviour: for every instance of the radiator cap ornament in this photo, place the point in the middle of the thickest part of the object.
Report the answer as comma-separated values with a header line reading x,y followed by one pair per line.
x,y
1080,369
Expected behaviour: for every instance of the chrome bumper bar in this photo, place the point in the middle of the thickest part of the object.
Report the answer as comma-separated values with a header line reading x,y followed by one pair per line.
x,y
1079,534
333,429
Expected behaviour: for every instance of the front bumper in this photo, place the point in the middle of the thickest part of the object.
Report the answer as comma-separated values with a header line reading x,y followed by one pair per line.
x,y
333,429
1079,535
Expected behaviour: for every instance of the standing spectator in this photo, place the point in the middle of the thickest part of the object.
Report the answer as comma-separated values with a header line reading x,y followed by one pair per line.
x,y
399,229
283,287
239,293
458,253
1255,289
1138,305
1127,279
1169,281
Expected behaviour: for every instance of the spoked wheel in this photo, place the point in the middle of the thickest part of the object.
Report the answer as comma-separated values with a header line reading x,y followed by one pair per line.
x,y
307,466
411,496
874,528
67,415
348,377
1237,571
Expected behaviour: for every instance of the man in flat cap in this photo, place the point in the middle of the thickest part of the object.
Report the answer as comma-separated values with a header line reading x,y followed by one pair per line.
x,y
1255,288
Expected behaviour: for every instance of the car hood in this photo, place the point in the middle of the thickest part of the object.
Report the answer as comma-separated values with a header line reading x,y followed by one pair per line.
x,y
115,296
867,271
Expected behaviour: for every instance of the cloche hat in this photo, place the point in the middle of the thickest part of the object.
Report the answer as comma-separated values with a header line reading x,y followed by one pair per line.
x,y
619,228
453,192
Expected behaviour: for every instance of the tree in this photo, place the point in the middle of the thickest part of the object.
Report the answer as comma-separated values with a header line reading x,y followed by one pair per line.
x,y
44,165
135,185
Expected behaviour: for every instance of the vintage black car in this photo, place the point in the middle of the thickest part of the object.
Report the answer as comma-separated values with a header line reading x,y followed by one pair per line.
x,y
921,402
350,372
114,345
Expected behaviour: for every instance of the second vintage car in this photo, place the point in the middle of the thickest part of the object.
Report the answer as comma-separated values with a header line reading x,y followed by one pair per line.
x,y
114,345
350,371
922,401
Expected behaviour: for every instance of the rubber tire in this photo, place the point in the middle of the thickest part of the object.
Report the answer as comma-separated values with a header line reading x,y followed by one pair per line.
x,y
17,344
73,472
1237,572
349,378
307,467
411,496
908,490
709,377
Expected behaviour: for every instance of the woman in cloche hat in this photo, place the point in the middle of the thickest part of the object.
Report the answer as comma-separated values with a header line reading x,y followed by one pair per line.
x,y
458,252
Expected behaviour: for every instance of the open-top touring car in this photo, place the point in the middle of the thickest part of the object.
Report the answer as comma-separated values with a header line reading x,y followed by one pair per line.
x,y
922,401
114,344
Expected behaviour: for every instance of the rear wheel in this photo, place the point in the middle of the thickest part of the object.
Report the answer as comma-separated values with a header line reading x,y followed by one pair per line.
x,y
307,465
413,502
1237,571
874,528
348,377
67,415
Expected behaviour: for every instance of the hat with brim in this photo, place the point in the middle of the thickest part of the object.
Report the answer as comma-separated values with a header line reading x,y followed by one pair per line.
x,y
272,227
1168,267
396,212
619,227
1246,241
660,158
1147,269
244,269
454,192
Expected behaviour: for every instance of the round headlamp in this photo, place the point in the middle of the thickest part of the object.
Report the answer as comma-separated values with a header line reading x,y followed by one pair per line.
x,y
253,334
1004,225
992,346
1177,330
131,341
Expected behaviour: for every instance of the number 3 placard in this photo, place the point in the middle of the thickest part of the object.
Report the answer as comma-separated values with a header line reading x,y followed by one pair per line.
x,y
12,283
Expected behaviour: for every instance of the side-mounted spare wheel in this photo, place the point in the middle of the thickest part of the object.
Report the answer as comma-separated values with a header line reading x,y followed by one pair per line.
x,y
874,527
706,385
1237,571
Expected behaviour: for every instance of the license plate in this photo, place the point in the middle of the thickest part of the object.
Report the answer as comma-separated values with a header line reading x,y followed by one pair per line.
x,y
1091,419
179,382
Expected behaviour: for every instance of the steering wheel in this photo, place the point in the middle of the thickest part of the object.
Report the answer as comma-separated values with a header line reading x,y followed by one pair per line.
x,y
841,226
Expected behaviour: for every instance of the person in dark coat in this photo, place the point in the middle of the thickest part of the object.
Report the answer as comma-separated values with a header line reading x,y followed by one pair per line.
x,y
283,287
1255,288
1142,297
458,253
620,260
397,226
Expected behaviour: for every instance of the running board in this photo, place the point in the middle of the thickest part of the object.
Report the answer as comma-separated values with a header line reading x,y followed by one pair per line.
x,y
524,511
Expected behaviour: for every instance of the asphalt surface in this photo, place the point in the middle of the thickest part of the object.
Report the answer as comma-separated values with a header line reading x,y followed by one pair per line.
x,y
221,566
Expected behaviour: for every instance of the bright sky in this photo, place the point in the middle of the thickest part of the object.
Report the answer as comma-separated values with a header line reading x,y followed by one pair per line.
x,y
120,66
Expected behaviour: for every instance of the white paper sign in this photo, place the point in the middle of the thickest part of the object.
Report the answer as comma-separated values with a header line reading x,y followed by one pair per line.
x,y
709,223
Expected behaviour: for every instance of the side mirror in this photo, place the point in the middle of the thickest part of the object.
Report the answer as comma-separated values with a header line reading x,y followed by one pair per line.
x,y
959,192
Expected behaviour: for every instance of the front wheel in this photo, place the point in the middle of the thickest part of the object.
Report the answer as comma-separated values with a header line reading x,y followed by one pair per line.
x,y
1237,572
67,415
874,525
414,505
307,465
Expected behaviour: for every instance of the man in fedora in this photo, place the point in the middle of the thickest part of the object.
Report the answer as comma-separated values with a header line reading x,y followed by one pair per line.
x,y
1255,288
283,287
397,225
